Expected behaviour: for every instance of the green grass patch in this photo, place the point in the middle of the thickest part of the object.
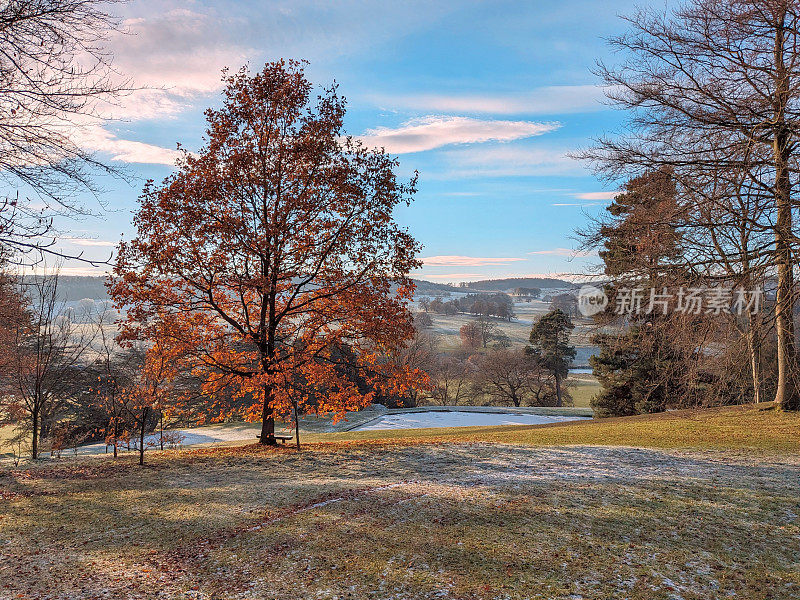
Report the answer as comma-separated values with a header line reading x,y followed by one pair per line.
x,y
582,389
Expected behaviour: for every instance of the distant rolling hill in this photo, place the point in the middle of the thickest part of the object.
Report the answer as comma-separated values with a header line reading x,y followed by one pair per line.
x,y
73,287
431,288
503,285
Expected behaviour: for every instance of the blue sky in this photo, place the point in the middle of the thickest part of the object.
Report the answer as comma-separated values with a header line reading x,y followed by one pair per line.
x,y
484,99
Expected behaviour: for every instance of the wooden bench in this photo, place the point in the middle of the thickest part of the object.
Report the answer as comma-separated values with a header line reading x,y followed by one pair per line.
x,y
282,438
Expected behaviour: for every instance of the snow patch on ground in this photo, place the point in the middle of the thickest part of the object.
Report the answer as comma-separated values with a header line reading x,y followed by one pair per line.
x,y
209,434
373,418
420,420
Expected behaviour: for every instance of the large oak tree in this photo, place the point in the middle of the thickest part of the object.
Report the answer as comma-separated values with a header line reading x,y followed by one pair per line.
x,y
271,247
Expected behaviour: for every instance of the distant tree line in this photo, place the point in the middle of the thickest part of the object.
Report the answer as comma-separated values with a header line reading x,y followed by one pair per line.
x,y
498,305
499,285
72,288
531,292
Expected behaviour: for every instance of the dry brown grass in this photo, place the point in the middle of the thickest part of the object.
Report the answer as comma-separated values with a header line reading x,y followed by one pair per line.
x,y
404,519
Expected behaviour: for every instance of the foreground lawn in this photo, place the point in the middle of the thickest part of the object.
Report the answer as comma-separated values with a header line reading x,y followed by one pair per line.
x,y
391,520
424,514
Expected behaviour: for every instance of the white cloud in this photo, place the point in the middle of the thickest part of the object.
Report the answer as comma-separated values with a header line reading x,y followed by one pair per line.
x,y
466,261
89,242
558,99
577,204
431,132
179,47
597,195
179,53
173,57
564,252
97,138
509,161
146,104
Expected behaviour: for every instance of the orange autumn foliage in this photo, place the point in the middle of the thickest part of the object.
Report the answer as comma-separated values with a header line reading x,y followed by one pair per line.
x,y
270,248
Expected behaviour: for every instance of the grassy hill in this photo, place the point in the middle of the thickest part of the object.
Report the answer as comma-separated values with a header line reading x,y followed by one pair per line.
x,y
431,288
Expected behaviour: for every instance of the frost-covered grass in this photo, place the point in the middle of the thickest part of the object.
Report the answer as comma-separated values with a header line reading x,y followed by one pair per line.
x,y
406,519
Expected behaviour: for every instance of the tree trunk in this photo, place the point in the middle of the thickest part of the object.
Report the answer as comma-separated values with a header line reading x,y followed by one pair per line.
x,y
145,414
267,420
35,435
116,437
786,395
559,402
296,426
753,336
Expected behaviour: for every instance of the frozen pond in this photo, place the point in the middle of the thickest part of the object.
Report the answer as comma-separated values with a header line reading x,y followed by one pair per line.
x,y
413,420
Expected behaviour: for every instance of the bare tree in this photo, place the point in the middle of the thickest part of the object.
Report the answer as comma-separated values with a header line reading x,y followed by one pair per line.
x,y
513,377
451,378
113,371
425,303
715,87
723,238
54,72
49,353
419,354
488,329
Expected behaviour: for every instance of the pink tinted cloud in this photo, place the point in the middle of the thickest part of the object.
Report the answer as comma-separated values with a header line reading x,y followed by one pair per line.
x,y
467,261
597,195
564,252
557,99
431,132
